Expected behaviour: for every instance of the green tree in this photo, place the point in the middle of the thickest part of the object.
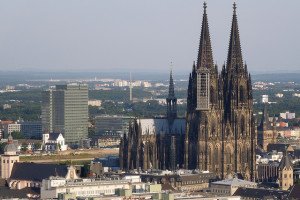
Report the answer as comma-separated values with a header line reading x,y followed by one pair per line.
x,y
37,146
17,135
91,132
85,169
58,147
24,147
2,145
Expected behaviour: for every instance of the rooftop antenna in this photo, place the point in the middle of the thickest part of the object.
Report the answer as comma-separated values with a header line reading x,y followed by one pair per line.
x,y
130,88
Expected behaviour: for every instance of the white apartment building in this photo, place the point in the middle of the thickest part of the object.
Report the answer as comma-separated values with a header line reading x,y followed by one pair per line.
x,y
296,94
87,187
279,95
146,84
287,115
94,102
9,128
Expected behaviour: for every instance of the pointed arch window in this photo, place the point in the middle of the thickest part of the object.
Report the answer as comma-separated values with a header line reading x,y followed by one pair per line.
x,y
242,94
247,154
243,126
214,131
241,156
217,155
209,155
228,155
212,95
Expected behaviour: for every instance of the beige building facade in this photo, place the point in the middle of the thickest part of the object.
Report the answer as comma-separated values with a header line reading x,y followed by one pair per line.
x,y
285,176
8,158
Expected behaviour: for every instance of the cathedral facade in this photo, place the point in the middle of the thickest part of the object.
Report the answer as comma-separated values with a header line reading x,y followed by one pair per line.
x,y
220,123
218,133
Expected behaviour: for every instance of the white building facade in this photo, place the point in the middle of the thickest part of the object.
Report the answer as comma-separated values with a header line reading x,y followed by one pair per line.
x,y
54,141
86,187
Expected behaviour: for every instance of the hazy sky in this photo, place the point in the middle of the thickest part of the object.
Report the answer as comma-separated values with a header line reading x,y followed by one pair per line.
x,y
137,35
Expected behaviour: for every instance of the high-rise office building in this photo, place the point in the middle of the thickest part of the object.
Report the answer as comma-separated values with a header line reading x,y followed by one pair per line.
x,y
65,110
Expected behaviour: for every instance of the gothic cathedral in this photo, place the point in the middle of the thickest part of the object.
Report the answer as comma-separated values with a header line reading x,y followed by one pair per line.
x,y
220,125
218,133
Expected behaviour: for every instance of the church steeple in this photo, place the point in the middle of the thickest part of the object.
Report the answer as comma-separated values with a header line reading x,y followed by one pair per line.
x,y
265,123
205,58
285,170
234,58
171,86
171,101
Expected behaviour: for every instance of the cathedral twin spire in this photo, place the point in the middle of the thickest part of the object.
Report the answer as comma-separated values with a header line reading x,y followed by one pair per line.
x,y
220,131
205,57
234,58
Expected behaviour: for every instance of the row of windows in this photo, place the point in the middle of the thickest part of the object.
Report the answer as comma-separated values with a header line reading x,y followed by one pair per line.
x,y
94,192
221,191
285,176
192,182
12,161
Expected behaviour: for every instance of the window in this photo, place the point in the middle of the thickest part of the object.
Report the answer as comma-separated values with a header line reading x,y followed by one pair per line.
x,y
203,91
285,176
242,94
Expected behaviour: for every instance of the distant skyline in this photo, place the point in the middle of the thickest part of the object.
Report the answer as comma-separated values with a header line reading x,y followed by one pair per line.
x,y
135,35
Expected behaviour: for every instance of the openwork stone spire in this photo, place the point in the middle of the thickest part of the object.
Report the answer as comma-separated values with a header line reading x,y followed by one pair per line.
x,y
234,58
205,58
171,101
171,87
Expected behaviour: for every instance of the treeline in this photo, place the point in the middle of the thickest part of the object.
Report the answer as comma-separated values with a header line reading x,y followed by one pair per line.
x,y
119,94
139,109
26,105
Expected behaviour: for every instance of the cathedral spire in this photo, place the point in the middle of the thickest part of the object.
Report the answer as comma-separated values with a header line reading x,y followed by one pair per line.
x,y
234,58
205,58
171,101
171,86
265,123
